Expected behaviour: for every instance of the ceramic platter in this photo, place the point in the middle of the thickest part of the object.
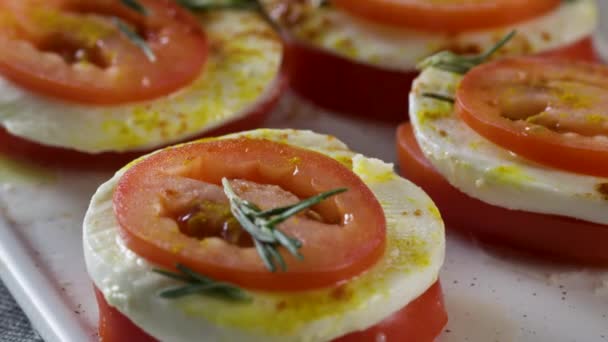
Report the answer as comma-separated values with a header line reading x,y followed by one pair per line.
x,y
491,294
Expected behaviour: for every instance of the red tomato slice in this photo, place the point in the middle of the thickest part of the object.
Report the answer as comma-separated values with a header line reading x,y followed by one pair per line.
x,y
548,235
152,193
447,15
550,111
73,50
345,86
422,321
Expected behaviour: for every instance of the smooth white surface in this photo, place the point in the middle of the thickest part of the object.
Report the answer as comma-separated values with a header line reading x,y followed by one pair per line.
x,y
490,295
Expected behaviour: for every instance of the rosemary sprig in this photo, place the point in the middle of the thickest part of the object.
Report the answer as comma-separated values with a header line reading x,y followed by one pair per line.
x,y
449,61
262,225
439,97
200,284
205,5
135,38
136,6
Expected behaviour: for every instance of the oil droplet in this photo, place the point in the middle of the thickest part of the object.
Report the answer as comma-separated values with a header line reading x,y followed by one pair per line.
x,y
380,337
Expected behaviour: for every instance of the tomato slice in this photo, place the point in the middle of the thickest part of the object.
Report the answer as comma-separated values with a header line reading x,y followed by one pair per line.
x,y
422,321
447,15
550,111
73,49
151,195
551,236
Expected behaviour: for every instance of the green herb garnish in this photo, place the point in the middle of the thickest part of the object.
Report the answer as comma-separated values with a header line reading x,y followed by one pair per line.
x,y
449,61
200,284
440,97
262,224
135,38
136,6
204,5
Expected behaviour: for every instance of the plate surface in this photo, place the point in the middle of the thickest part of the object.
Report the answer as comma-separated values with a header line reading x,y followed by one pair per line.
x,y
491,294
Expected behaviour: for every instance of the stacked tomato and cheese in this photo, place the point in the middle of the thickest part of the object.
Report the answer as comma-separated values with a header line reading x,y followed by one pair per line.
x,y
360,56
521,158
370,256
99,77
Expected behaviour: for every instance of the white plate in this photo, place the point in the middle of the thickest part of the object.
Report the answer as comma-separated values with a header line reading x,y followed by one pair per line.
x,y
490,295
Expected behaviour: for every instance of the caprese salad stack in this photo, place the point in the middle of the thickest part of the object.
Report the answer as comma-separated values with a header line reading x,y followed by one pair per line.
x,y
514,151
86,82
360,56
267,235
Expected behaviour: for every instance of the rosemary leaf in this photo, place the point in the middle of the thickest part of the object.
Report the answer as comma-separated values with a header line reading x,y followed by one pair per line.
x,y
276,256
449,61
135,38
292,245
305,204
264,255
205,5
136,6
262,225
199,284
217,290
175,276
439,97
193,275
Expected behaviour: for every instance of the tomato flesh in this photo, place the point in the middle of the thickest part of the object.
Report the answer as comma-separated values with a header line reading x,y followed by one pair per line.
x,y
550,111
422,321
73,50
447,16
357,242
552,236
349,87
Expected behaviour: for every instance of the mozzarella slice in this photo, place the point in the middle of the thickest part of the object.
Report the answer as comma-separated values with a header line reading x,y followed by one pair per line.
x,y
335,31
241,71
410,265
489,172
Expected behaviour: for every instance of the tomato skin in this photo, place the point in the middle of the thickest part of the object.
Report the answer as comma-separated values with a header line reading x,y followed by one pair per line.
x,y
419,14
581,154
346,86
119,72
358,241
29,151
349,87
551,236
116,327
421,320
